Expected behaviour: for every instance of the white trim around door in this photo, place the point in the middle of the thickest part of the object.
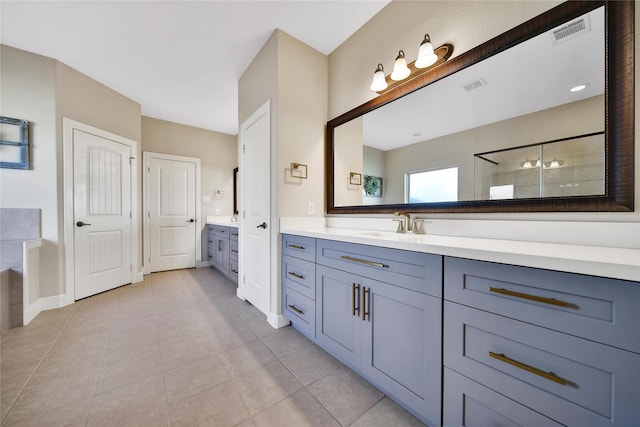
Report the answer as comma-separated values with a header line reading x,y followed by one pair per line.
x,y
146,227
68,127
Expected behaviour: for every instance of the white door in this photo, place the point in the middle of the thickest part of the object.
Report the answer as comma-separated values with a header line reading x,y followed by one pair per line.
x,y
172,213
102,214
255,136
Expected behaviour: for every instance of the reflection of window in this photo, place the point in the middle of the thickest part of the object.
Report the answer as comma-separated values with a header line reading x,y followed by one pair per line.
x,y
437,185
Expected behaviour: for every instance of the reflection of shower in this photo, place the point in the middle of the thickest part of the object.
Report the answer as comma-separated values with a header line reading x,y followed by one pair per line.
x,y
577,168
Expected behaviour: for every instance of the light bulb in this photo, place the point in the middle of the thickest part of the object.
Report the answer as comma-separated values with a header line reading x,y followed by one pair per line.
x,y
426,56
379,81
400,69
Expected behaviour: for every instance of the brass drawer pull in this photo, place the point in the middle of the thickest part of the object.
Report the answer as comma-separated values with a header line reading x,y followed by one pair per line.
x,y
354,299
296,309
302,248
548,375
291,273
363,261
551,301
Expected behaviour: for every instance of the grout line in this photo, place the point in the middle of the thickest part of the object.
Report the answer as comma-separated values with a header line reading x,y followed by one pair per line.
x,y
37,366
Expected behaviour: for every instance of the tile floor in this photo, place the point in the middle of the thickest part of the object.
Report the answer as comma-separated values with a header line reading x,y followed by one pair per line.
x,y
177,349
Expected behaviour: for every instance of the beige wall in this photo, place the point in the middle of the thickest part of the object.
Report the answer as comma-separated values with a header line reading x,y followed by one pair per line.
x,y
402,24
349,158
44,91
293,78
302,113
27,91
85,100
218,154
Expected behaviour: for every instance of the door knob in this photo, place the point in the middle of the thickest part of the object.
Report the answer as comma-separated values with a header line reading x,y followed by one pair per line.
x,y
191,220
81,224
263,226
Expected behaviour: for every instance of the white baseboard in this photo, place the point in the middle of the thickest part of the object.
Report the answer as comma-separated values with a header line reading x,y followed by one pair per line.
x,y
277,321
203,264
42,304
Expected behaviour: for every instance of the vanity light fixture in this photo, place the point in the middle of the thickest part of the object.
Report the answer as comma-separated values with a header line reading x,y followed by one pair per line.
x,y
528,164
400,69
379,82
428,58
555,163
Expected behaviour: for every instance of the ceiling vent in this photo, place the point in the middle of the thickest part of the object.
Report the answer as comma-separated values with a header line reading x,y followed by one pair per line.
x,y
474,84
571,30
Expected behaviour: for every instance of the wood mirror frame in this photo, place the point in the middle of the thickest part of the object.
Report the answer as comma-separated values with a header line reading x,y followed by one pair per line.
x,y
619,117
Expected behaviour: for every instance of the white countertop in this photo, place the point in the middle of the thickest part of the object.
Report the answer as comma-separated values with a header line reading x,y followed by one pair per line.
x,y
222,220
619,263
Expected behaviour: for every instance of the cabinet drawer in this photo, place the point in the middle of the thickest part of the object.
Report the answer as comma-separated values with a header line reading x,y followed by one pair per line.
x,y
469,404
300,310
412,270
571,380
233,233
233,244
210,233
299,247
299,275
221,230
603,310
233,270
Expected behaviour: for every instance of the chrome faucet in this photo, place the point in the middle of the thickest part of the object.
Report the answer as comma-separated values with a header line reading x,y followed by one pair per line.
x,y
408,223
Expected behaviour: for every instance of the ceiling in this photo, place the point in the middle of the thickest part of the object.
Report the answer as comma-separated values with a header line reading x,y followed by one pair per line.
x,y
181,60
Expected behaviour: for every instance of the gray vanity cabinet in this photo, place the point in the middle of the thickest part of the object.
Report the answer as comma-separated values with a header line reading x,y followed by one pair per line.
x,y
387,331
299,283
525,341
338,322
223,250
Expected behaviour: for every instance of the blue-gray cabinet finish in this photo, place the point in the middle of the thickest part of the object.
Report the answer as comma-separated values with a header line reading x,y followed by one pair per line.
x,y
219,248
375,311
562,345
299,283
488,343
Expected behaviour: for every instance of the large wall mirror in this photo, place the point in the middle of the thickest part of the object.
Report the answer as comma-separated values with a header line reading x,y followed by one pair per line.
x,y
540,118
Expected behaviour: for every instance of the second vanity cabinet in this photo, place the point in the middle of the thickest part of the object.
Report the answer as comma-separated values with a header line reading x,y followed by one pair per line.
x,y
222,249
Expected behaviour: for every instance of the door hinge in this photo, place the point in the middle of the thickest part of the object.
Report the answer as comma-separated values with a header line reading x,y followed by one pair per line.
x,y
149,214
243,212
148,169
244,148
244,279
130,216
149,260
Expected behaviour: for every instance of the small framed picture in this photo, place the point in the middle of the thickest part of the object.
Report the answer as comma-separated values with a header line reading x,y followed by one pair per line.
x,y
14,143
355,178
372,186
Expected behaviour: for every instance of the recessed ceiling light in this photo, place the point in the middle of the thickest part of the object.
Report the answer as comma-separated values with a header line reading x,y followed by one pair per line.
x,y
578,88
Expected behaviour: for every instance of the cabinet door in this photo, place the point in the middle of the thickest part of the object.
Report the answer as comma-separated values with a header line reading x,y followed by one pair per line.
x,y
338,327
401,346
221,255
